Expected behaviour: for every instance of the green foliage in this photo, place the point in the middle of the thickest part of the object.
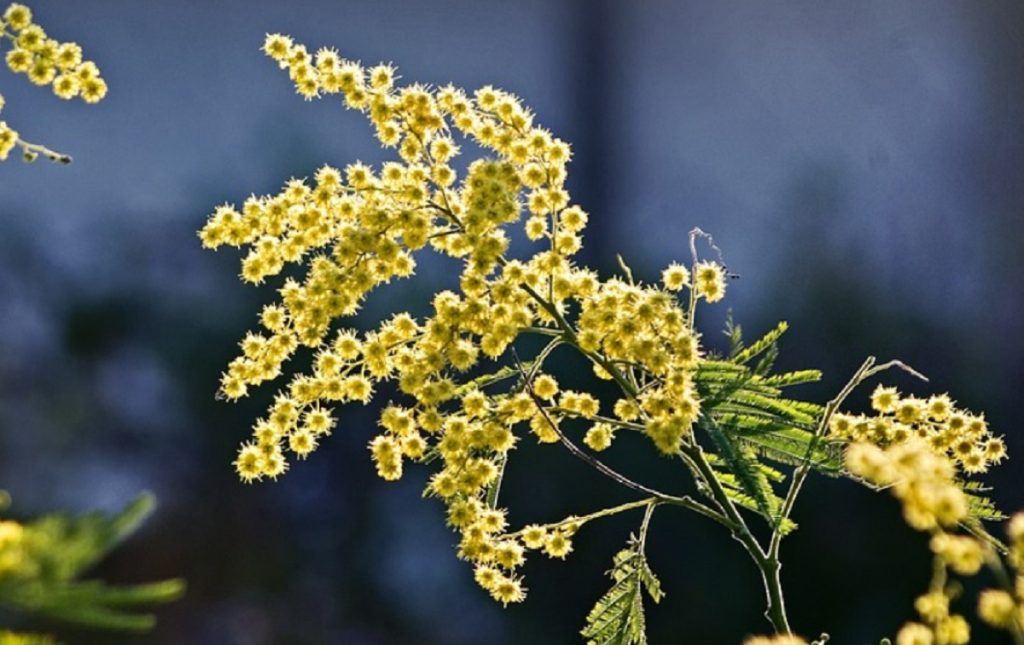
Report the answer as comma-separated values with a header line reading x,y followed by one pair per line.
x,y
748,421
618,616
767,343
742,475
55,550
983,508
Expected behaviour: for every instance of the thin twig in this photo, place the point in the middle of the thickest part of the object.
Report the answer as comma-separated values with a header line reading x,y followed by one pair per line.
x,y
606,470
804,468
895,364
37,149
695,233
583,519
600,418
866,371
645,524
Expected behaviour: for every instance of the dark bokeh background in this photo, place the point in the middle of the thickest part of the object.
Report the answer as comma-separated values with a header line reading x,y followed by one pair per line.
x,y
859,163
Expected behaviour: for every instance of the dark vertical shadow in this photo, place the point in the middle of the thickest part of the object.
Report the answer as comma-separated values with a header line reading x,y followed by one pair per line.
x,y
592,59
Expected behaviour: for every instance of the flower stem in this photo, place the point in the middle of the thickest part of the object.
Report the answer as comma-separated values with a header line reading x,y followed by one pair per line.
x,y
604,512
769,567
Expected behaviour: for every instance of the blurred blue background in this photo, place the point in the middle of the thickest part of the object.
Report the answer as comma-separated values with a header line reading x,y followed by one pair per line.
x,y
860,164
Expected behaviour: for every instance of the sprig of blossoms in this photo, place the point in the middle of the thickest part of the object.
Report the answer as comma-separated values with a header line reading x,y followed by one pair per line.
x,y
358,227
923,480
465,399
922,449
44,61
946,429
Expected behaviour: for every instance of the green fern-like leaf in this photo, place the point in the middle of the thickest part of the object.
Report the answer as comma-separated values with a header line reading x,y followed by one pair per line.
x,y
792,447
772,474
767,361
746,501
781,408
764,344
618,616
791,378
746,420
742,463
749,422
981,507
734,332
59,548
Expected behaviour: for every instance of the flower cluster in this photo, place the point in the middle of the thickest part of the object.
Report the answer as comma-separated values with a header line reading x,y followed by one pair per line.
x,y
356,228
939,627
645,329
948,430
923,480
44,61
8,136
1004,608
